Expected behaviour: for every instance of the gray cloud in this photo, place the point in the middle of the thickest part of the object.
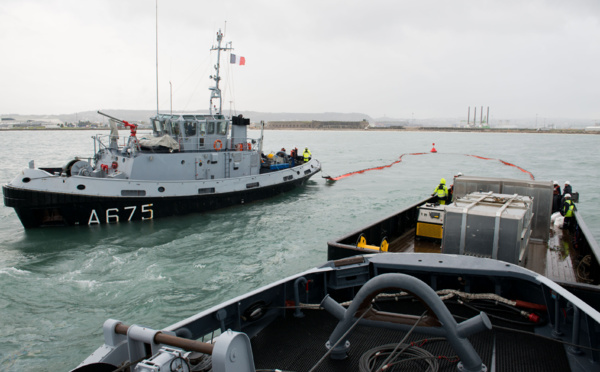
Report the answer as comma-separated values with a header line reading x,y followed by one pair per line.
x,y
430,58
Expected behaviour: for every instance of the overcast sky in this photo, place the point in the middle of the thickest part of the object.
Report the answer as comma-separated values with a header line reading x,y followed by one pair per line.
x,y
401,59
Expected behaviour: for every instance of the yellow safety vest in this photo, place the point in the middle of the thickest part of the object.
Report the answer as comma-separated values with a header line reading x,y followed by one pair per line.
x,y
569,208
306,155
442,193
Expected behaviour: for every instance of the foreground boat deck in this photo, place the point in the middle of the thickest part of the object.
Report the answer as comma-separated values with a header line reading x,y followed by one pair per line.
x,y
437,311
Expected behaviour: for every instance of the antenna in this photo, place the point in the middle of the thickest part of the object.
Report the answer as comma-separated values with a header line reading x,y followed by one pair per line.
x,y
215,91
156,57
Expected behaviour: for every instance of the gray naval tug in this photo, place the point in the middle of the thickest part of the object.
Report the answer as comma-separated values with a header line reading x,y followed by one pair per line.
x,y
192,163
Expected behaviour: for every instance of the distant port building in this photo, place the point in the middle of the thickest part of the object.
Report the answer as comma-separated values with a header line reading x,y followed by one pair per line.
x,y
391,124
12,123
318,125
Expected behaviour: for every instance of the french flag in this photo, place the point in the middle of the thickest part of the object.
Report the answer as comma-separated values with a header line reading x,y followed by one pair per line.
x,y
237,60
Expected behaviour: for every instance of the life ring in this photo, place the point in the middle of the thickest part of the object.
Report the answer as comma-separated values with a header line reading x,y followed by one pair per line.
x,y
218,145
240,146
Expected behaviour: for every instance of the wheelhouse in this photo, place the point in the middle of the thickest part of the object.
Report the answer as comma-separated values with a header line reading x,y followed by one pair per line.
x,y
198,132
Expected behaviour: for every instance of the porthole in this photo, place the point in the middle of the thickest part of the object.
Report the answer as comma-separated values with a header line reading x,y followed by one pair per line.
x,y
182,162
161,189
26,179
80,187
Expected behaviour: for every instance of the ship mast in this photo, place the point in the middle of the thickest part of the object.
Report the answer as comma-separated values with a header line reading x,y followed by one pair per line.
x,y
215,91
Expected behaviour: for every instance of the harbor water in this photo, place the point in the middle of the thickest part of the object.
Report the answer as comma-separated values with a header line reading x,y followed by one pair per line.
x,y
60,284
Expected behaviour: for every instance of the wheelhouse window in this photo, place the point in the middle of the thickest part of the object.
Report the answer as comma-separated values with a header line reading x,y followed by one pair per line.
x,y
168,127
202,128
158,126
174,128
222,127
210,127
190,128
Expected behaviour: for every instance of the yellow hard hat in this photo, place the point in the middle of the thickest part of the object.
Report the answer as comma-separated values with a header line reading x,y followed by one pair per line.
x,y
443,181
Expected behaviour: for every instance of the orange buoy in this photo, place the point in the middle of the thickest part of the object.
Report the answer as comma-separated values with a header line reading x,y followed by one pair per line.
x,y
433,148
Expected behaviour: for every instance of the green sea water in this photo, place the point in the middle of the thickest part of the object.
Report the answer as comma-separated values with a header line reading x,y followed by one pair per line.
x,y
58,285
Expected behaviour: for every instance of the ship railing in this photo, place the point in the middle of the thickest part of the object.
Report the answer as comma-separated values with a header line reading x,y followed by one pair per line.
x,y
104,141
574,318
191,143
99,141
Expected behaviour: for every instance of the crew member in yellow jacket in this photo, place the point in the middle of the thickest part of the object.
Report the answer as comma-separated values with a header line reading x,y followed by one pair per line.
x,y
441,192
306,154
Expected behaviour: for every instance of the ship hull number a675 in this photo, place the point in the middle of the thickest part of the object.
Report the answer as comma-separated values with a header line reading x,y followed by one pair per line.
x,y
112,214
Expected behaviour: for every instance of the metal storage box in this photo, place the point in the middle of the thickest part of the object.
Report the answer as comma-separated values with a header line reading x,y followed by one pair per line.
x,y
488,225
539,191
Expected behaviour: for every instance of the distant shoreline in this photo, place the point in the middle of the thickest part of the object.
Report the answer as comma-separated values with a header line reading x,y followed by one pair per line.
x,y
372,129
494,130
452,129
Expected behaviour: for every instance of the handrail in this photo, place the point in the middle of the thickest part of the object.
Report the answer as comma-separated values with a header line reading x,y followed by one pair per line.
x,y
248,144
162,338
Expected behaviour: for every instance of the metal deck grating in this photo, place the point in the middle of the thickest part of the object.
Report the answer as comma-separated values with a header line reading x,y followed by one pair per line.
x,y
297,344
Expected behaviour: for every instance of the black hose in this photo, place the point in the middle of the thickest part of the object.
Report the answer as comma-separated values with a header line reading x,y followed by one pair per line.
x,y
516,322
